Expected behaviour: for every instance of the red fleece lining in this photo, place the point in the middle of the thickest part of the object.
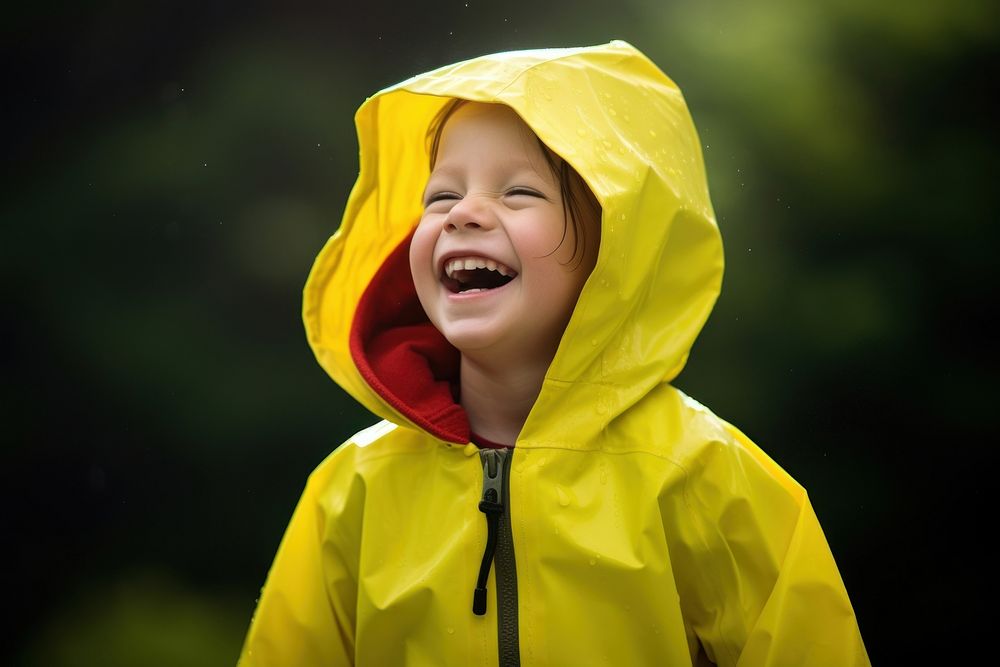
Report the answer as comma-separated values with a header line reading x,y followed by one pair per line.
x,y
403,357
483,443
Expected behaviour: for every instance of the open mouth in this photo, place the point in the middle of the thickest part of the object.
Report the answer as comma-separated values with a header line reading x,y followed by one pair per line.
x,y
467,275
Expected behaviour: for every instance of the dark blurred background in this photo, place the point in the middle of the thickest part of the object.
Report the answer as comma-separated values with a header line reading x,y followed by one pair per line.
x,y
171,169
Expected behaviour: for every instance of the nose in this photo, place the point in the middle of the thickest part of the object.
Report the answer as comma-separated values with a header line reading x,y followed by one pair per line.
x,y
470,213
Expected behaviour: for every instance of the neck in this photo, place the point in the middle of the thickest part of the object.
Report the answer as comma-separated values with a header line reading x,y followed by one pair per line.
x,y
498,398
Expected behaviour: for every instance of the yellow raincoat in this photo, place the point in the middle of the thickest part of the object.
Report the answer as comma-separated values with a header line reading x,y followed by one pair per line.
x,y
639,528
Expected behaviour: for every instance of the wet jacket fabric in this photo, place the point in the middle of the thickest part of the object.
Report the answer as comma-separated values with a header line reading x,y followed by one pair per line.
x,y
635,526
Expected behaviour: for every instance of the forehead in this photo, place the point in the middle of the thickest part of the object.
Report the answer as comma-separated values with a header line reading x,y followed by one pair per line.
x,y
488,134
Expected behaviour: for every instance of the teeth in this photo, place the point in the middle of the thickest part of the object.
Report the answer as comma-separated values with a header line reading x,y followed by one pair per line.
x,y
470,263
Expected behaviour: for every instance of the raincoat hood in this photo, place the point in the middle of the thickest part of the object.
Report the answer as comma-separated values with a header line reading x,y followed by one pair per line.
x,y
624,126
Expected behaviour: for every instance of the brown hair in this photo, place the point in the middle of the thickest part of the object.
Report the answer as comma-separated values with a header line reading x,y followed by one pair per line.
x,y
574,191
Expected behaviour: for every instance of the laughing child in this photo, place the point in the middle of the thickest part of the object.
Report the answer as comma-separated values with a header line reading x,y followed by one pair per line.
x,y
522,268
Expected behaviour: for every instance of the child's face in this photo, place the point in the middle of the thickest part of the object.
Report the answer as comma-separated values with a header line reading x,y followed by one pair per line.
x,y
490,263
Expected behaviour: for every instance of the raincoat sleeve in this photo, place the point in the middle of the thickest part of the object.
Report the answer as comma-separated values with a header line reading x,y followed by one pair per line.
x,y
766,592
306,613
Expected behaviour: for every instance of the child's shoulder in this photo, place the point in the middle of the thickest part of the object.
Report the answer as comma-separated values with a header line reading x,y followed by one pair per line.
x,y
708,445
693,437
671,424
371,448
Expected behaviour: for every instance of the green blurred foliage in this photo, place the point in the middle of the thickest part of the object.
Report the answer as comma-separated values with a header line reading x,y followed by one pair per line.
x,y
177,168
140,620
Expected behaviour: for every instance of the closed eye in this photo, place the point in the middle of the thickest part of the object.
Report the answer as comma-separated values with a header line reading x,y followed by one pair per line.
x,y
440,196
522,191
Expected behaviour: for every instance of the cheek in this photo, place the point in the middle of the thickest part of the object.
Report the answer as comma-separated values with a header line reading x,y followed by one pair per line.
x,y
568,268
558,279
563,242
546,234
422,245
422,257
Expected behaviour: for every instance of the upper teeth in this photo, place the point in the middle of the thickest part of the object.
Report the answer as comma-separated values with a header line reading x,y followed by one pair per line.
x,y
469,263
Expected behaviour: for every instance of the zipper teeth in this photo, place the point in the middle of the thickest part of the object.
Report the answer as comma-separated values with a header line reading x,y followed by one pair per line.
x,y
495,504
506,579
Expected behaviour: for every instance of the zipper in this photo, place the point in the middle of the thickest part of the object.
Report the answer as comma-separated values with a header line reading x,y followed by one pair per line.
x,y
499,548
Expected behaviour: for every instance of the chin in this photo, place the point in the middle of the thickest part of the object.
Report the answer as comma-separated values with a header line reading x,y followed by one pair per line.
x,y
470,341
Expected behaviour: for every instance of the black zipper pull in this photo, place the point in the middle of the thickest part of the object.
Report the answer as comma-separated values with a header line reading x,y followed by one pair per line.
x,y
492,506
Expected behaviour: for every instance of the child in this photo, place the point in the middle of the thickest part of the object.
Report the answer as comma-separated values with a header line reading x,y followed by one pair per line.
x,y
524,263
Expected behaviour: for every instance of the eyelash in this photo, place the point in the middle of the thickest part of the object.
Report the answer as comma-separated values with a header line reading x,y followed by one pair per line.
x,y
441,196
524,191
445,196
